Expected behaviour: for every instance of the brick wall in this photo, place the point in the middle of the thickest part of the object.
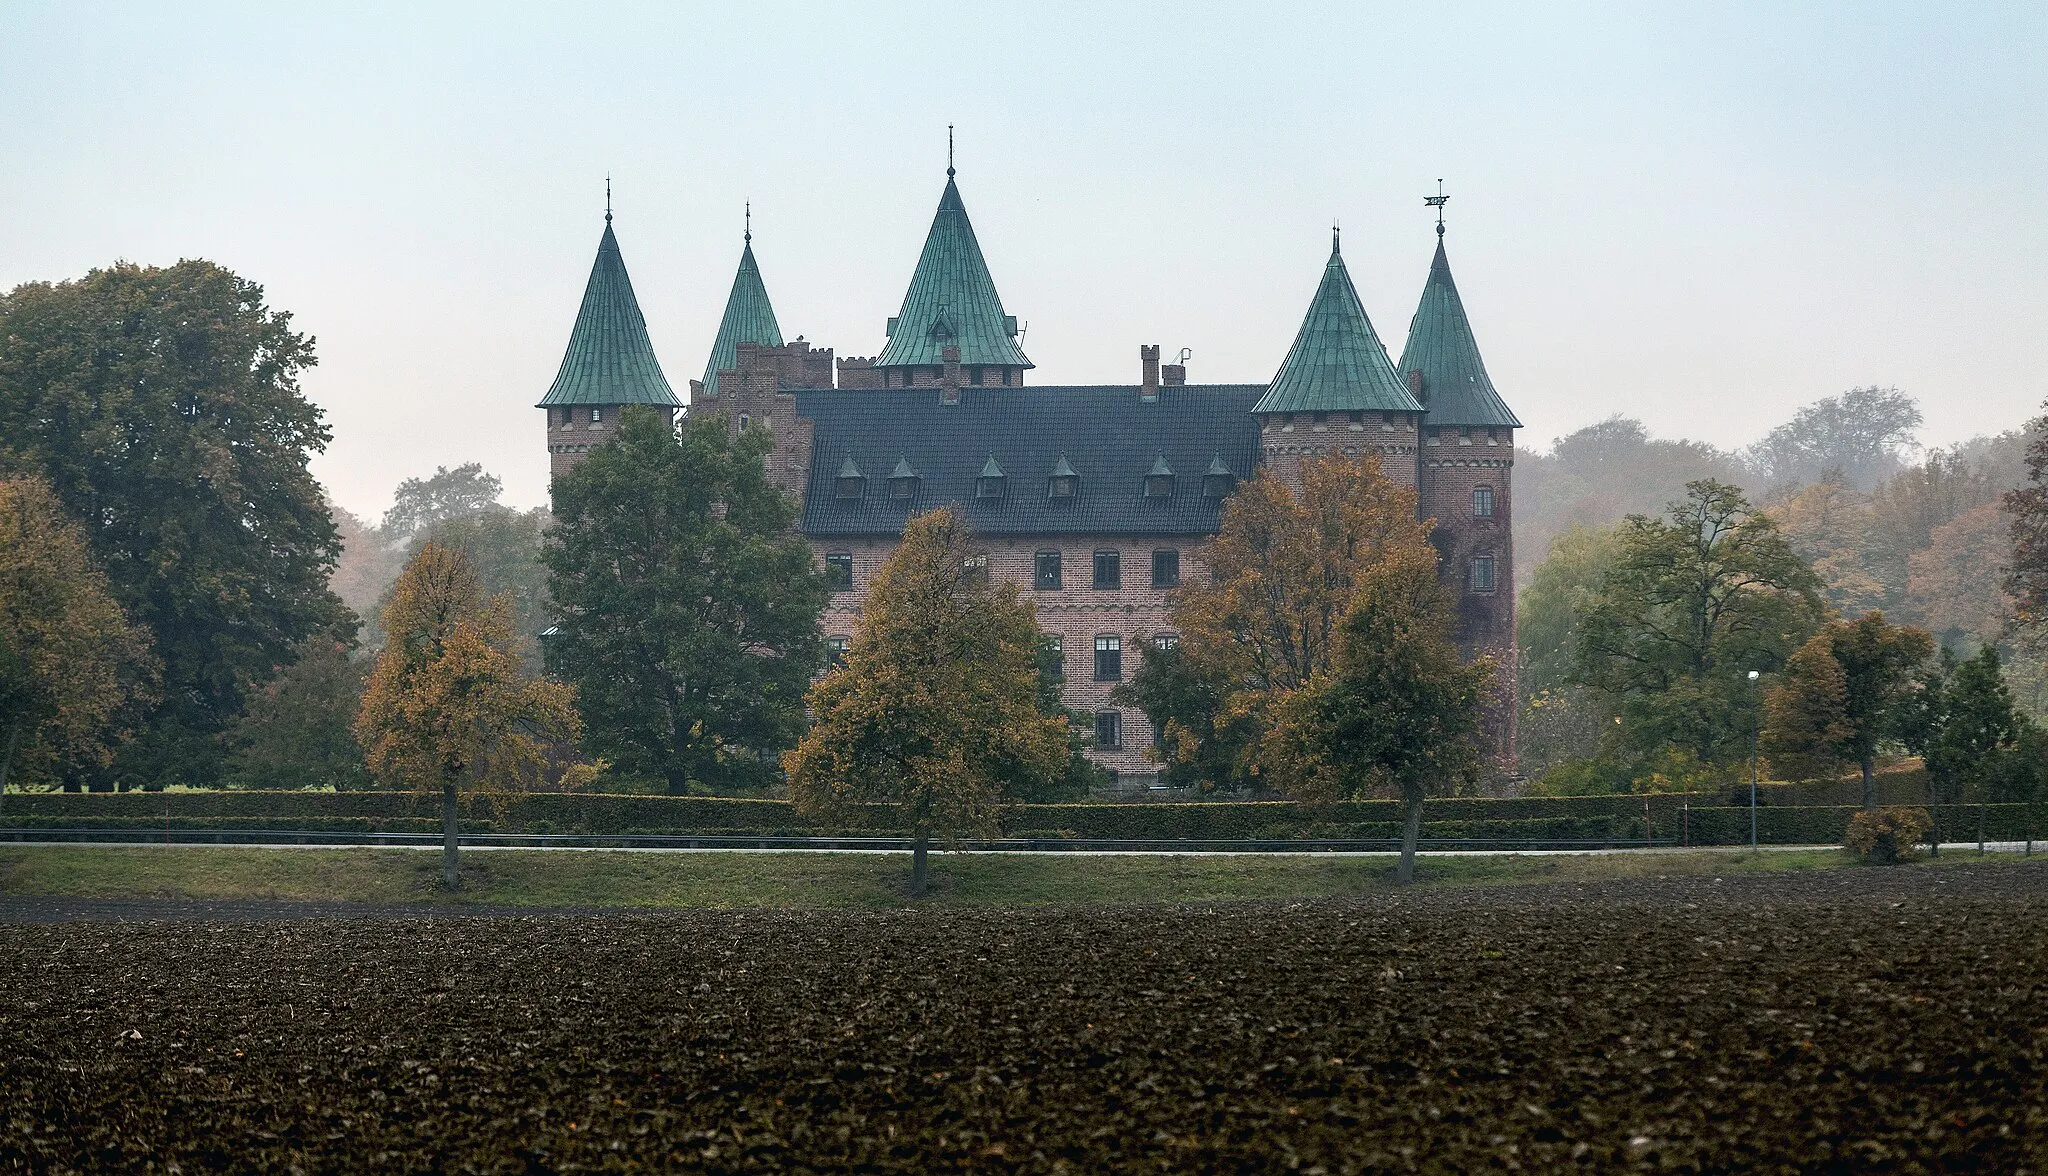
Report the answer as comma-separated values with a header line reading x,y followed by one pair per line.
x,y
1285,440
1076,612
1456,464
571,439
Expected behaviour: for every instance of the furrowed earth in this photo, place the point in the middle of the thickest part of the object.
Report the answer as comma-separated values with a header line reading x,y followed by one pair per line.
x,y
1863,1020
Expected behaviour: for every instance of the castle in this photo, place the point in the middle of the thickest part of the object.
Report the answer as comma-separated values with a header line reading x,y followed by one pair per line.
x,y
1093,498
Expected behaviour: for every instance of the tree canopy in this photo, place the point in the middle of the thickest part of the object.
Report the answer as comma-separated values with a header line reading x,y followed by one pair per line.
x,y
1861,436
419,503
935,707
73,671
687,608
163,407
1693,602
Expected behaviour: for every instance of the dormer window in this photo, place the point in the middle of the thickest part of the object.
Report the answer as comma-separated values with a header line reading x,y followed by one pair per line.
x,y
849,484
1159,479
1217,480
903,481
1063,484
992,482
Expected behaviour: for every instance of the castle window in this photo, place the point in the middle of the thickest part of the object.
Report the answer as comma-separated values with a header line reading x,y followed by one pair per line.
x,y
1109,729
835,652
1482,502
1321,418
1109,572
1159,479
1482,573
1166,641
1166,568
1357,416
1464,436
596,415
1045,571
1055,652
975,568
1109,658
745,420
992,482
974,375
839,571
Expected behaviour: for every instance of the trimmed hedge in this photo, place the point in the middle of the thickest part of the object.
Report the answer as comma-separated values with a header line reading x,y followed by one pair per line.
x,y
1670,817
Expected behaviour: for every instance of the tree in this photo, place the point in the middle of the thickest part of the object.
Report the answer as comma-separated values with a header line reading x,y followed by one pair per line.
x,y
1846,691
1691,604
1827,524
1560,719
73,670
1398,708
1080,776
1199,747
2027,573
935,707
1860,435
1284,571
687,607
1806,732
504,548
299,729
447,706
419,503
163,407
1967,722
1953,584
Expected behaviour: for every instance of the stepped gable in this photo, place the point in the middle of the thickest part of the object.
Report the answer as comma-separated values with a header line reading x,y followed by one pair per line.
x,y
749,318
1337,362
610,358
1107,436
952,300
1441,361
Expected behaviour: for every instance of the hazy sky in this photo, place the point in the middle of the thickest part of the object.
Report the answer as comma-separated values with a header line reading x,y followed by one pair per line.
x,y
1701,215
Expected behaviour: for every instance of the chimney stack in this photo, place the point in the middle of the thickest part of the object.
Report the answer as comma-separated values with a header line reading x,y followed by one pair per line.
x,y
1173,375
949,380
1148,353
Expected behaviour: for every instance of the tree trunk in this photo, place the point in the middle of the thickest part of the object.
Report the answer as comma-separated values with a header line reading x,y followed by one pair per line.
x,y
451,850
918,872
1869,787
7,757
1404,874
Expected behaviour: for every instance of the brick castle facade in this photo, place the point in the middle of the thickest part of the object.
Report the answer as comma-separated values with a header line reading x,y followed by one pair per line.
x,y
1094,499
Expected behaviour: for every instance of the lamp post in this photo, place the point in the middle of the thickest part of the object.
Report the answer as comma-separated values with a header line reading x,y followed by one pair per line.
x,y
1753,718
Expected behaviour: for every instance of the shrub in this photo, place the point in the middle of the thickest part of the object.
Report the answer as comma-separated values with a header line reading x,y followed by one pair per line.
x,y
1889,834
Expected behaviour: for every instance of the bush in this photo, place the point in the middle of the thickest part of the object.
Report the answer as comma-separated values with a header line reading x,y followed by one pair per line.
x,y
1888,835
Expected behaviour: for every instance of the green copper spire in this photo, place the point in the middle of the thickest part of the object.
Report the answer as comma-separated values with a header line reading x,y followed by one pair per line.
x,y
1442,358
748,317
610,359
1337,362
952,300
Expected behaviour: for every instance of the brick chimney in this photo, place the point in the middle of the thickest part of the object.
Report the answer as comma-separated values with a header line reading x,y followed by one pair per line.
x,y
1173,375
1148,354
949,381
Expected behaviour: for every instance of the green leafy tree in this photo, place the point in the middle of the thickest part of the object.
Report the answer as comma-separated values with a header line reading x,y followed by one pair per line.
x,y
72,669
420,503
1081,776
688,609
163,407
448,708
1199,747
1693,602
504,547
1860,435
1846,691
299,730
1561,720
935,709
1397,711
1966,720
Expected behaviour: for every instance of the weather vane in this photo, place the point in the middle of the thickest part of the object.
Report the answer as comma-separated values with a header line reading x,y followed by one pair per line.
x,y
949,151
607,197
1437,202
750,221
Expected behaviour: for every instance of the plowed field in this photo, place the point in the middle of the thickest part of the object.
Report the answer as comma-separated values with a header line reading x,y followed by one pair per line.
x,y
1852,1020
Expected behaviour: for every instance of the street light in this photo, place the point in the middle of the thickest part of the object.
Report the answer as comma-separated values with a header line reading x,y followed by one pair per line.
x,y
1753,676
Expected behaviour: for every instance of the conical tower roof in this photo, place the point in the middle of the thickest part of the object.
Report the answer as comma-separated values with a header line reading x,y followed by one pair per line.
x,y
1455,387
749,318
1337,362
952,300
610,359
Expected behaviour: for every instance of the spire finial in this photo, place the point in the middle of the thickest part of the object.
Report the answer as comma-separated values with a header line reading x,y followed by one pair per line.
x,y
1437,202
750,222
1336,238
607,197
949,151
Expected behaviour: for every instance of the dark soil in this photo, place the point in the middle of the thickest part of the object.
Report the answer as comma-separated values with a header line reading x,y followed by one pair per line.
x,y
1851,1020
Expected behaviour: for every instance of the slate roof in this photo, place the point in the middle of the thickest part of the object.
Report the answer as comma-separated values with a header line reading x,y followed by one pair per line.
x,y
610,360
952,300
1455,387
1337,362
1105,433
749,318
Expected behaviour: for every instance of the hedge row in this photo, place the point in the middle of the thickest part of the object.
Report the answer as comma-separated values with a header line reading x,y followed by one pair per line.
x,y
1663,817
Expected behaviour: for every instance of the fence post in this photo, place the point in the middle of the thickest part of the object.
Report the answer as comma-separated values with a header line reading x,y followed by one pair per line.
x,y
1649,830
1685,823
1980,830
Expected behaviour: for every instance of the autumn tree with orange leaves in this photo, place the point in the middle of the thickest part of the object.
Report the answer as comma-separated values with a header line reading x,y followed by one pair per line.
x,y
72,666
1286,571
447,706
